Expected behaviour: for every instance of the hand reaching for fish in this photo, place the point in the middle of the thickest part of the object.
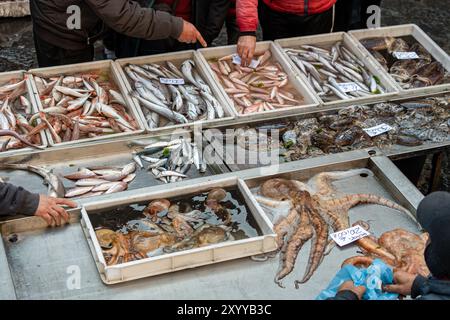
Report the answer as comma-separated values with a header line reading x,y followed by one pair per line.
x,y
246,49
190,34
51,210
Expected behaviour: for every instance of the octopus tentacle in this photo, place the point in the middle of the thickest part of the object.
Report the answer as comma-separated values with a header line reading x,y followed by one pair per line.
x,y
303,233
285,225
319,244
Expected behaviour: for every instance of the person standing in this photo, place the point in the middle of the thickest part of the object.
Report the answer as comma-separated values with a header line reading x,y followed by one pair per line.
x,y
57,43
281,19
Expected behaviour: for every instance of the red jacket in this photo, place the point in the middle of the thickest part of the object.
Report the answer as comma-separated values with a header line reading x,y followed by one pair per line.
x,y
247,10
183,10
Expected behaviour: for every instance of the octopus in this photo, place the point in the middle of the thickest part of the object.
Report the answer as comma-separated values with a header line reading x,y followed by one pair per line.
x,y
406,249
315,208
116,247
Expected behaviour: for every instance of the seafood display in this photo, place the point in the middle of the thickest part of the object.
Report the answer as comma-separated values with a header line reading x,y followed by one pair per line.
x,y
166,226
417,70
315,207
406,252
96,181
412,123
259,89
17,130
82,106
171,95
335,73
169,161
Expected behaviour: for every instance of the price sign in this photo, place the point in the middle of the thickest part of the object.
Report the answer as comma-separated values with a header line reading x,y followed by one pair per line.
x,y
349,86
349,235
405,55
171,81
237,60
377,130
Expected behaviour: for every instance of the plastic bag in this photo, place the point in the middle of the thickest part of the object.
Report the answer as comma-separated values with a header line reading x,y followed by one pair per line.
x,y
373,277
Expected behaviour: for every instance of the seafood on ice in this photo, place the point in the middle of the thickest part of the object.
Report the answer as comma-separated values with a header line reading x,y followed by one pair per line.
x,y
165,226
407,61
17,130
96,181
262,88
170,161
82,106
170,95
315,208
335,73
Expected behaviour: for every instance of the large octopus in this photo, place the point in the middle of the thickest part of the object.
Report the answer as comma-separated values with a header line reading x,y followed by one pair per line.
x,y
315,207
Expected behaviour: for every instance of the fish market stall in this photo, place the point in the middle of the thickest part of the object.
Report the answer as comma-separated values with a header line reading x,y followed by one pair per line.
x,y
18,131
414,62
336,70
107,167
398,129
267,88
172,91
83,102
38,271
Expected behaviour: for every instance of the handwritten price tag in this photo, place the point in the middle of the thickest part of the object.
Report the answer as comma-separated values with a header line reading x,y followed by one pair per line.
x,y
171,81
349,86
344,237
377,130
405,55
237,60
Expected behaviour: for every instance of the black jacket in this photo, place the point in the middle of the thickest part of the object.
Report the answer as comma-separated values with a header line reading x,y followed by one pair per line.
x,y
50,19
15,200
209,17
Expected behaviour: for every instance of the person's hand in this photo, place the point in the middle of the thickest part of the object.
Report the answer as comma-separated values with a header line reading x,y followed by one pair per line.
x,y
50,209
403,282
246,49
190,34
350,286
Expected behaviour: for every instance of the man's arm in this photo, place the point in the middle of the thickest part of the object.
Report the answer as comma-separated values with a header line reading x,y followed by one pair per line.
x,y
129,18
15,200
247,16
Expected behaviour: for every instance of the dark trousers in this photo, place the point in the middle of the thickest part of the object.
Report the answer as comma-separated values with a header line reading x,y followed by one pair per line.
x,y
352,14
279,25
232,30
49,55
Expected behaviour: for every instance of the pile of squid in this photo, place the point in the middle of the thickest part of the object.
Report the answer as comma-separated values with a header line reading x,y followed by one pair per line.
x,y
326,69
16,128
423,71
168,227
82,106
96,181
311,210
166,104
259,89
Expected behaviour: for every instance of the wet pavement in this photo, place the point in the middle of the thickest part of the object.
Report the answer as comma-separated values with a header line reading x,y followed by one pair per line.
x,y
17,48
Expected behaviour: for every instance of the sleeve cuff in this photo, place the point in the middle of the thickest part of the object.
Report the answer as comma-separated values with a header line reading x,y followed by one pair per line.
x,y
247,33
418,287
177,27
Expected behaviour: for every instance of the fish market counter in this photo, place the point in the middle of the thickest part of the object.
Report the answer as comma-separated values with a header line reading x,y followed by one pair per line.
x,y
57,263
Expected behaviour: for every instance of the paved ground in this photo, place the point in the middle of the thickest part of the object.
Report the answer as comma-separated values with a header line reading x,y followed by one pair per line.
x,y
17,49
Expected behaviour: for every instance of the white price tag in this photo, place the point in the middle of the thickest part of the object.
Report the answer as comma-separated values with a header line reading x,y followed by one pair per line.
x,y
349,235
237,60
171,81
349,86
405,55
377,130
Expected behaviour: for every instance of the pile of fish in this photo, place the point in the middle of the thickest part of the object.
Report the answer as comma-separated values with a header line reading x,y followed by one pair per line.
x,y
82,106
170,161
412,123
167,227
409,73
326,71
96,181
16,129
169,104
258,89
